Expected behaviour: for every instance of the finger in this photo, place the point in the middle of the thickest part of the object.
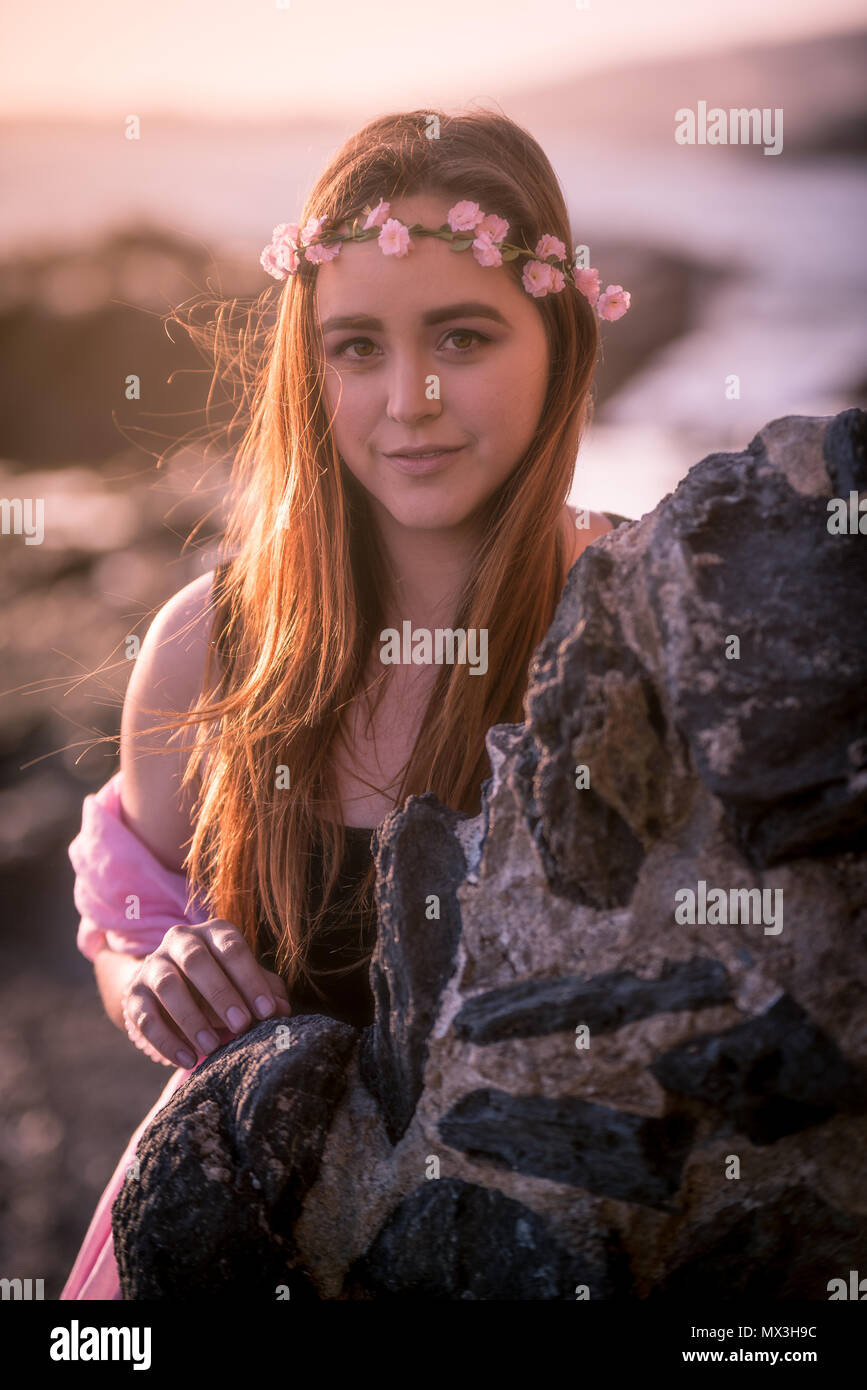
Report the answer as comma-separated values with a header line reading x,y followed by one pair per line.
x,y
165,979
193,952
282,1010
281,994
249,978
143,1010
214,1020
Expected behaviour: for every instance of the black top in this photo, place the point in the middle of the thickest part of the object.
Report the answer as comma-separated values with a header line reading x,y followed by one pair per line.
x,y
344,938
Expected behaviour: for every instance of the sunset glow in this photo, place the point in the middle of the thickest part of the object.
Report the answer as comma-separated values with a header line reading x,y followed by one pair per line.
x,y
295,58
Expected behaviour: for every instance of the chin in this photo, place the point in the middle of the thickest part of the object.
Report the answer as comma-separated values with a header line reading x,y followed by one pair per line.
x,y
427,519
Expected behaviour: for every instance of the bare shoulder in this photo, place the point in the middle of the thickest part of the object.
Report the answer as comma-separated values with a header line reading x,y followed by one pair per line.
x,y
167,677
582,536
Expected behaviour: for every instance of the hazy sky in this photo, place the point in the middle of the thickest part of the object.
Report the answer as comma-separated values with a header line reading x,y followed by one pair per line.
x,y
268,57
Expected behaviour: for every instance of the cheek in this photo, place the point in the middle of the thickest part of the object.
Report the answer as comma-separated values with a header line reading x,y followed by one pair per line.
x,y
514,392
347,401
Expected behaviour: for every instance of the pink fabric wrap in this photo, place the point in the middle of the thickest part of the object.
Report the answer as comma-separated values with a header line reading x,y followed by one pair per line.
x,y
111,863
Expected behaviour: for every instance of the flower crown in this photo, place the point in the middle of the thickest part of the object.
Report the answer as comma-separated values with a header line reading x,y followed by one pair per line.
x,y
545,273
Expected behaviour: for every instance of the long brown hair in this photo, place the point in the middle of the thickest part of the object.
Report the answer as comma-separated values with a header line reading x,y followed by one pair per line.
x,y
303,597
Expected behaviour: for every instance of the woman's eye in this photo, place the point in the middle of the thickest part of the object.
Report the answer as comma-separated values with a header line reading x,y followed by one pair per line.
x,y
356,342
469,333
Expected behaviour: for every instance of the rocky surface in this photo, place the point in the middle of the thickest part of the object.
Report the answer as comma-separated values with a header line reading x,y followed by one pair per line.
x,y
568,1091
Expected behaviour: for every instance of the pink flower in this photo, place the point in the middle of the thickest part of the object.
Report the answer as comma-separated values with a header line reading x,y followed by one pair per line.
x,y
549,246
393,240
495,226
614,303
279,257
285,231
464,217
311,228
587,281
318,253
286,256
268,261
538,278
377,217
484,250
558,281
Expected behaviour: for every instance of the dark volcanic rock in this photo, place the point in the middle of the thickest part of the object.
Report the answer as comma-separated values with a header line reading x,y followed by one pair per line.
x,y
790,1247
225,1166
780,735
591,851
453,1239
536,1007
596,1147
414,957
771,1076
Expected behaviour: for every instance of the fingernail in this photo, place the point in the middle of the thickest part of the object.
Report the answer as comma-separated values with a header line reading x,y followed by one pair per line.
x,y
237,1019
185,1058
207,1040
263,1005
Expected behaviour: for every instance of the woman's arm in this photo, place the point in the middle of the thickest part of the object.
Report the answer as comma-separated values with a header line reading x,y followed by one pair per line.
x,y
113,971
202,976
168,672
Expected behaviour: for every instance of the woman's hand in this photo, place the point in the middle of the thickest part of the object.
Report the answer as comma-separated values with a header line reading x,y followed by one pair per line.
x,y
200,978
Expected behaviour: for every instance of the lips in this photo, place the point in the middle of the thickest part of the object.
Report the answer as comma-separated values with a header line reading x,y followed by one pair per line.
x,y
416,451
419,460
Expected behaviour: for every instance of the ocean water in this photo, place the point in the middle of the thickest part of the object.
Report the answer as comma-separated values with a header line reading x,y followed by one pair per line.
x,y
789,324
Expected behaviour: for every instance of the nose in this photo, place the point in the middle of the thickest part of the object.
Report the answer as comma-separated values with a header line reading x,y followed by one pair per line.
x,y
413,388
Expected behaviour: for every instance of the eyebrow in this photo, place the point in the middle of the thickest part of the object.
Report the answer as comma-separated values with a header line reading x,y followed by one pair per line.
x,y
468,308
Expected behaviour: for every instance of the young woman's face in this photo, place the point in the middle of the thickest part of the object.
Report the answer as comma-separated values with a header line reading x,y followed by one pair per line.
x,y
442,353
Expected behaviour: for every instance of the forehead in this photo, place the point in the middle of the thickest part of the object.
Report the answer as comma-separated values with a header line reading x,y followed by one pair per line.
x,y
363,280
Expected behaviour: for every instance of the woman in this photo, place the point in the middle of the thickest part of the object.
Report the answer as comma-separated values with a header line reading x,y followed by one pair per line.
x,y
414,424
